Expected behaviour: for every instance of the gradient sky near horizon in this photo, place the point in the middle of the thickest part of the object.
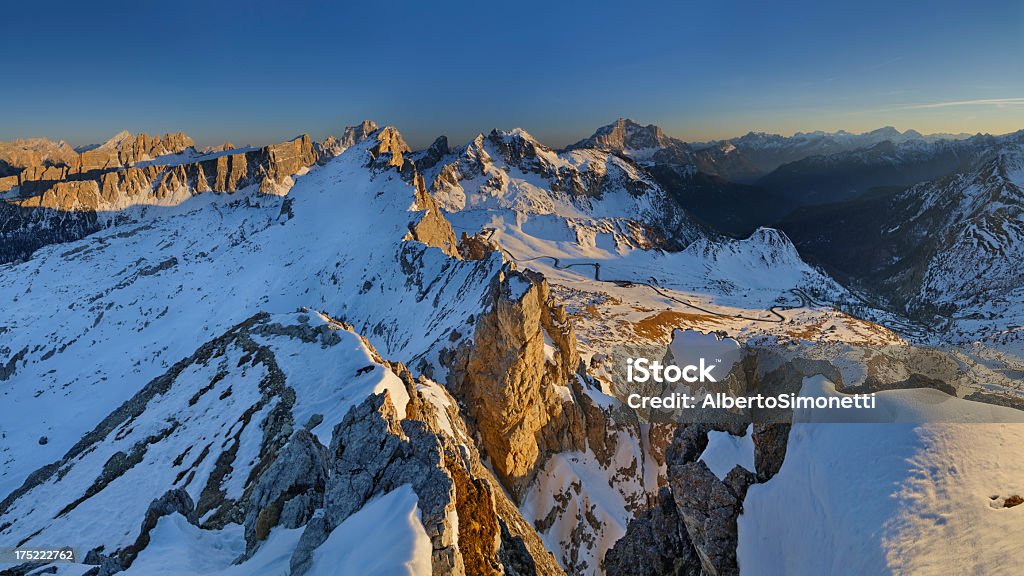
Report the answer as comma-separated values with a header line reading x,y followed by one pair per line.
x,y
258,71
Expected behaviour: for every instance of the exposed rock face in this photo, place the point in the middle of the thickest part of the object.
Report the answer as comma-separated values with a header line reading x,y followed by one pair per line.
x,y
8,182
356,134
124,149
390,150
519,395
278,162
692,526
289,491
770,442
709,508
471,525
475,247
68,196
373,452
60,203
432,228
433,154
655,544
625,134
37,152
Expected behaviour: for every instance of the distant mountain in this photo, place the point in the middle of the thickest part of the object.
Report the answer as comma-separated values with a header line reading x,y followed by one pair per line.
x,y
755,154
35,152
951,246
703,182
120,180
645,144
843,176
511,170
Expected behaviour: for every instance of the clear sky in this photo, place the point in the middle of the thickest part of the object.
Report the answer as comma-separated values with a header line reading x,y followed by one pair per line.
x,y
255,71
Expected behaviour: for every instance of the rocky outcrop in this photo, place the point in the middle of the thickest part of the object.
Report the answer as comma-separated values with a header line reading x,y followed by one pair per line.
x,y
655,544
691,528
432,228
289,491
390,151
770,441
515,379
373,452
176,501
355,134
278,162
476,247
709,508
472,529
67,196
61,203
8,182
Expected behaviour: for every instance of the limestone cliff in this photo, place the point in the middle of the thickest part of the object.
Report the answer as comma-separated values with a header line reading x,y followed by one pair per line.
x,y
64,202
515,379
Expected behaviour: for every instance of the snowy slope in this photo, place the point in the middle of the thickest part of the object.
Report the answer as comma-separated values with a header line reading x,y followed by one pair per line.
x,y
897,498
511,171
201,428
150,293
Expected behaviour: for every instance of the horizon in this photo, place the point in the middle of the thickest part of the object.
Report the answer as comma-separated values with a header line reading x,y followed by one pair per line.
x,y
453,143
700,72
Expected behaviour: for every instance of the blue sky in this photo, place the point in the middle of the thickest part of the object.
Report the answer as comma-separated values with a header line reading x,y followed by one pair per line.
x,y
258,71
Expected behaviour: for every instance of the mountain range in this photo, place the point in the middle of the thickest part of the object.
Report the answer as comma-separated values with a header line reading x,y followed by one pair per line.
x,y
351,356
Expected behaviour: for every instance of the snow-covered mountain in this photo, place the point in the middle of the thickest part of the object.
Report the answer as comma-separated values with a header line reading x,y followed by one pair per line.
x,y
949,246
647,144
58,200
404,362
512,173
755,154
823,179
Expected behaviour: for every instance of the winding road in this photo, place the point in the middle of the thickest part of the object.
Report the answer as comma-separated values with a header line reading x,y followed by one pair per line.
x,y
652,284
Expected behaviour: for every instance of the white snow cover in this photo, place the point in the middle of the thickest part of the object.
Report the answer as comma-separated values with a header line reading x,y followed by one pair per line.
x,y
99,318
385,537
725,451
203,409
897,498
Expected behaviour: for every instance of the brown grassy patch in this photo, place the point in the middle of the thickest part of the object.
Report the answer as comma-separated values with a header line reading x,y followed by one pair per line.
x,y
660,325
808,331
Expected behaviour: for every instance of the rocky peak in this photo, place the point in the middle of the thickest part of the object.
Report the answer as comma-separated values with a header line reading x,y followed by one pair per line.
x,y
389,149
435,153
37,152
352,135
356,134
516,145
625,135
114,142
510,384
